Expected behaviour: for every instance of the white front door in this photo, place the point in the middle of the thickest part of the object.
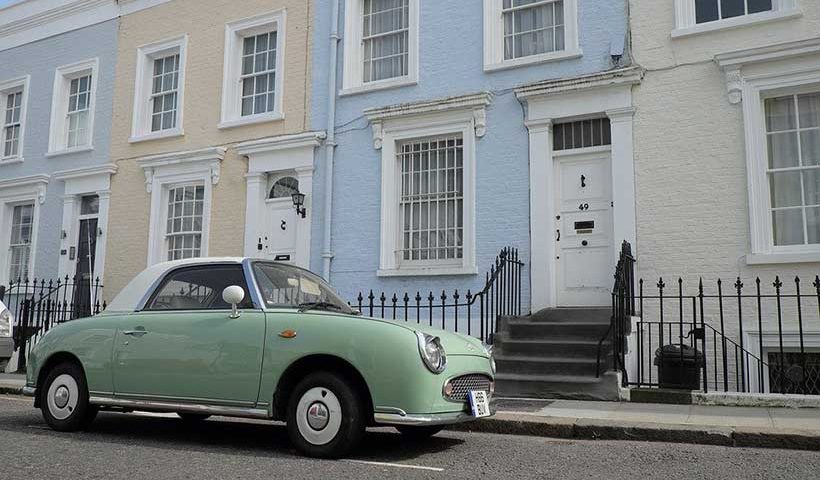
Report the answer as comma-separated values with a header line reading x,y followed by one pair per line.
x,y
279,237
583,230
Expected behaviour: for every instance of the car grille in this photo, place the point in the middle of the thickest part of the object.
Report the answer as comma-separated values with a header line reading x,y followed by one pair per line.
x,y
465,383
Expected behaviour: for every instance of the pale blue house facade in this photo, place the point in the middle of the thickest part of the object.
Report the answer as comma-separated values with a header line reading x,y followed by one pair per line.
x,y
446,118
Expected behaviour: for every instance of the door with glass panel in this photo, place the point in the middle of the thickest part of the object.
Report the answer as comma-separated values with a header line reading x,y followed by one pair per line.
x,y
278,241
84,272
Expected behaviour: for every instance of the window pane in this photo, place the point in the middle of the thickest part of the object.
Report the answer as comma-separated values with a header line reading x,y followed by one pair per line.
x,y
706,11
90,205
813,225
780,114
757,6
809,107
783,150
810,147
199,288
811,186
732,8
785,189
788,227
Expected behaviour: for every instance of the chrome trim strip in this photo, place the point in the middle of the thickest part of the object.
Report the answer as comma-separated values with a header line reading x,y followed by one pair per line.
x,y
180,407
29,391
393,410
449,418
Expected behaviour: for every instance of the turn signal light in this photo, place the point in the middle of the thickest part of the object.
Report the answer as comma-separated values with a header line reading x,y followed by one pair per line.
x,y
448,389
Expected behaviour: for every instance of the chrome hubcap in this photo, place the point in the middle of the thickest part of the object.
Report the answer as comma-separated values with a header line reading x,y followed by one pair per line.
x,y
319,416
62,396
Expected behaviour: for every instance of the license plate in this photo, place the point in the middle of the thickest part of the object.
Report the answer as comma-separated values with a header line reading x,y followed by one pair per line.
x,y
479,403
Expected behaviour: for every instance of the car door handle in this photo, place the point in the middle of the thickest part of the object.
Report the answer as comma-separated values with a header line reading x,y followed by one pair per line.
x,y
134,333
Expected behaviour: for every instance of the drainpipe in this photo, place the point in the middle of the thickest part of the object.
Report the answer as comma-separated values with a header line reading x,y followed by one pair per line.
x,y
330,143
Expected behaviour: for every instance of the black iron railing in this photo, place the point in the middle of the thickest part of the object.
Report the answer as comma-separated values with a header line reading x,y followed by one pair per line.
x,y
623,308
473,313
40,304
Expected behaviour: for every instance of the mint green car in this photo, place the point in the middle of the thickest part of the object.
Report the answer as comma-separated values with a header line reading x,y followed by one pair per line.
x,y
252,338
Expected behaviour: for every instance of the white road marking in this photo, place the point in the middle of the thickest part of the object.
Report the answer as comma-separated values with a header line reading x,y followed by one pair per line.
x,y
396,465
17,399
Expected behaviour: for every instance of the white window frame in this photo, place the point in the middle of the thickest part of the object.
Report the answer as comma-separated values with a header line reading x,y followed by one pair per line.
x,y
167,171
686,23
494,39
58,131
7,87
353,81
141,120
753,75
465,116
235,32
13,192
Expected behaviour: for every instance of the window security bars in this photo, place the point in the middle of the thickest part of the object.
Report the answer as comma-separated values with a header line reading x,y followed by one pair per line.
x,y
385,39
793,133
711,10
164,93
184,224
11,124
38,305
595,132
532,27
258,74
431,207
475,314
79,99
22,222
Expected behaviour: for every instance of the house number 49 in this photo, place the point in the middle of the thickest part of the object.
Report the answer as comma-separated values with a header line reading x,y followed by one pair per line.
x,y
583,207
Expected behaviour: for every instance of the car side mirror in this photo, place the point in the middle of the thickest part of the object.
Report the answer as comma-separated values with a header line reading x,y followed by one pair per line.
x,y
233,296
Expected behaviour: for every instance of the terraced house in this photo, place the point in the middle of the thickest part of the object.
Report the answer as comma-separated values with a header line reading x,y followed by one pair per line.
x,y
57,63
210,133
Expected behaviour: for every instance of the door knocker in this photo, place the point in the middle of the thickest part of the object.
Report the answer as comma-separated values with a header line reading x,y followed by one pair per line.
x,y
583,181
284,225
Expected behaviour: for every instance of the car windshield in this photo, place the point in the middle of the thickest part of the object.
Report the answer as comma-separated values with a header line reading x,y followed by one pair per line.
x,y
284,286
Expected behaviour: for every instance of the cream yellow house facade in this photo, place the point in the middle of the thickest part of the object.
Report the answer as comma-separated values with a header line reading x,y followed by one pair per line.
x,y
211,105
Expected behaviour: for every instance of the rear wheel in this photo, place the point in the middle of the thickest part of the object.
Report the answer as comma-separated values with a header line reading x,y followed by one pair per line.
x,y
419,432
64,403
325,416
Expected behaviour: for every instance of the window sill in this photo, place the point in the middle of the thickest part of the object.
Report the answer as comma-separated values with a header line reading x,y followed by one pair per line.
x,y
427,271
737,22
783,258
11,160
379,85
534,59
252,120
69,151
175,132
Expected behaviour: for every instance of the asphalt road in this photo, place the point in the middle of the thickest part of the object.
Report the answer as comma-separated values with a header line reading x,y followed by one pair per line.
x,y
146,446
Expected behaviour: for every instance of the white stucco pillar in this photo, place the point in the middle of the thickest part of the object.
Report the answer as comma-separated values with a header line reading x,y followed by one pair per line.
x,y
623,178
65,266
542,208
254,203
102,240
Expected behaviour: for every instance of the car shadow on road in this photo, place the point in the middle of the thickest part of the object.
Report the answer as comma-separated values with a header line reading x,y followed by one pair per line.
x,y
225,435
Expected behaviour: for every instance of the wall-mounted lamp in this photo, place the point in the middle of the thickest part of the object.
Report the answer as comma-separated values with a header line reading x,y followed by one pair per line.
x,y
99,232
63,235
299,202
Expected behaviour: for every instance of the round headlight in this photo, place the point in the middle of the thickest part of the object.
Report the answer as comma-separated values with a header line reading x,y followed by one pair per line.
x,y
432,353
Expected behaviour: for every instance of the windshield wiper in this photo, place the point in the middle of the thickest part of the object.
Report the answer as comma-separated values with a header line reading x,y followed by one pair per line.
x,y
304,307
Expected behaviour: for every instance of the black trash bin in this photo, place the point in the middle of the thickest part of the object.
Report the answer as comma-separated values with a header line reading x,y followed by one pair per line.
x,y
679,367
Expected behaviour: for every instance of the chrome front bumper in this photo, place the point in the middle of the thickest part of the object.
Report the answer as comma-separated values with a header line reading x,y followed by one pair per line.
x,y
398,417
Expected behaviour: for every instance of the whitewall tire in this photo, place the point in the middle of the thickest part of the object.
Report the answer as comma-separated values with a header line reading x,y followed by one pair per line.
x,y
64,401
325,416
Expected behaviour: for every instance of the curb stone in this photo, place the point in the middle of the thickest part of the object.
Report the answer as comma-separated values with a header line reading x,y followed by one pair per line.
x,y
591,429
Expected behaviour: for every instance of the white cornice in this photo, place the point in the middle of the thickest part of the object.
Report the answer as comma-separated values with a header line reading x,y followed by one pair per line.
x,y
732,63
37,183
476,103
33,20
208,159
107,169
621,76
476,100
282,142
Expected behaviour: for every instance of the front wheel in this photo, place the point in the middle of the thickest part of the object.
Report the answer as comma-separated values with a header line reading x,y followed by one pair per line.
x,y
419,432
65,404
325,416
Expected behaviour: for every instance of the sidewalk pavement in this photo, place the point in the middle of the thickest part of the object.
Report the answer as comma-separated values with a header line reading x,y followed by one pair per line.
x,y
761,427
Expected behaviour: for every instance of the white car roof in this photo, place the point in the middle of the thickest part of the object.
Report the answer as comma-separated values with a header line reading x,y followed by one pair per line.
x,y
129,298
